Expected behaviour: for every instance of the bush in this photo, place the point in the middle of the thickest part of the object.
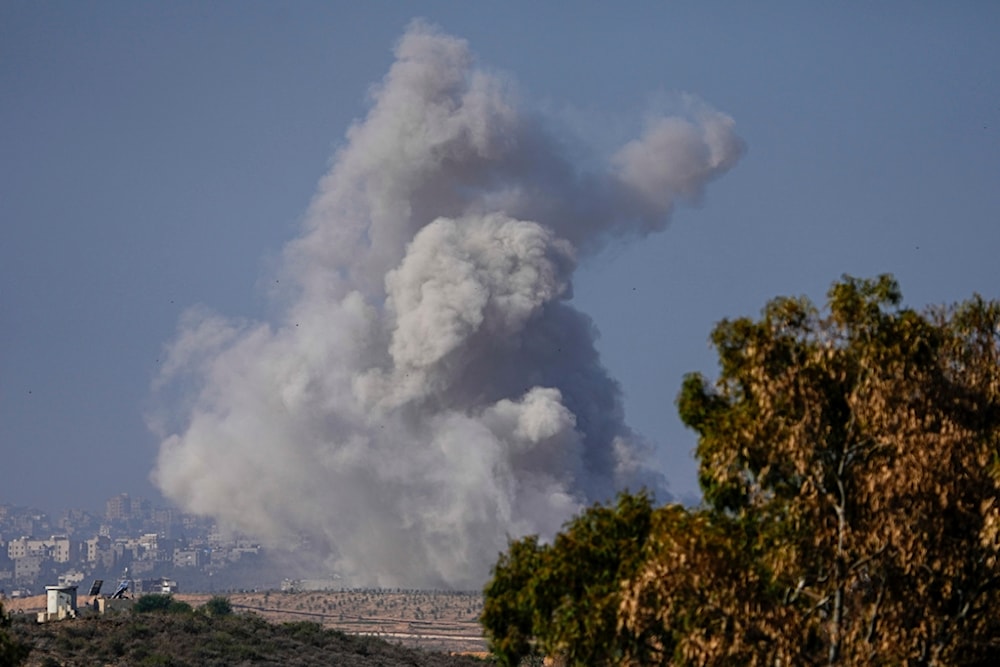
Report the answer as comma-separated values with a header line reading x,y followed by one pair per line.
x,y
178,607
12,652
153,602
218,606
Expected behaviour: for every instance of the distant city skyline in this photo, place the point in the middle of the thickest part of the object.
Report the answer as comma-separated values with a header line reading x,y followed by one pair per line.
x,y
118,507
146,548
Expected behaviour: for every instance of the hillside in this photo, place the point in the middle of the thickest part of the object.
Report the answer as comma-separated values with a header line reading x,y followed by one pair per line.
x,y
196,639
445,621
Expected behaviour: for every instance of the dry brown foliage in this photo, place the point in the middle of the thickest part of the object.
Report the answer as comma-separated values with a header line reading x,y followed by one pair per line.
x,y
850,465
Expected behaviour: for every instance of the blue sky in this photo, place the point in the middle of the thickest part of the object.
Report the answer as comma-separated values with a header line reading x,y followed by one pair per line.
x,y
156,156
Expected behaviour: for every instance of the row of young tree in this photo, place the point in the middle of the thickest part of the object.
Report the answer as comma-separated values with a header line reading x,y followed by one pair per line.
x,y
849,467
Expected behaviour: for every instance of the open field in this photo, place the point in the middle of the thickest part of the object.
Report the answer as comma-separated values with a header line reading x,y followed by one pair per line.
x,y
435,620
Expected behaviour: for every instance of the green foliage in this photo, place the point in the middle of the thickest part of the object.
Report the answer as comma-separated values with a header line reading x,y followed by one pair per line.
x,y
218,606
178,607
12,651
157,660
563,598
305,631
508,615
159,602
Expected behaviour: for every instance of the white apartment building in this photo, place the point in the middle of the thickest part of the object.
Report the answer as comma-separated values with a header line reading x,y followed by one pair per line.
x,y
58,547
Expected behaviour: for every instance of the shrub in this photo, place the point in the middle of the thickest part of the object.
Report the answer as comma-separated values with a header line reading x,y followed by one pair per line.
x,y
153,602
178,607
12,652
218,606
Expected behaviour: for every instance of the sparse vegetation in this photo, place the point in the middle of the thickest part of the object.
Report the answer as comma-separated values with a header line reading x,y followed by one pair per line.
x,y
193,639
12,651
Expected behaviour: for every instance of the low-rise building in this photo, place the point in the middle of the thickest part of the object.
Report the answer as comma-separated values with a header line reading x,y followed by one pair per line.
x,y
187,558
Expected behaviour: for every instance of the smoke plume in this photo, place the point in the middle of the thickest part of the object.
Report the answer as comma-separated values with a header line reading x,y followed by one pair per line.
x,y
429,389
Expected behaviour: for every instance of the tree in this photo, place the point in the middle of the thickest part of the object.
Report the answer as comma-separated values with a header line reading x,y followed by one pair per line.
x,y
508,605
855,453
563,598
701,598
850,465
12,652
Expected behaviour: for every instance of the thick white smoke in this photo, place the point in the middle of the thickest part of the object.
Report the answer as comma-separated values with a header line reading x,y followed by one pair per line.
x,y
430,390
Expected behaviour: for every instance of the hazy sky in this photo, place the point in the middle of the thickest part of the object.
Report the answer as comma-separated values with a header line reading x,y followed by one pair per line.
x,y
156,156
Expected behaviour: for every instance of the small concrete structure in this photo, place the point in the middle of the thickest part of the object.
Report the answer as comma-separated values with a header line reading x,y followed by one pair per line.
x,y
61,603
113,605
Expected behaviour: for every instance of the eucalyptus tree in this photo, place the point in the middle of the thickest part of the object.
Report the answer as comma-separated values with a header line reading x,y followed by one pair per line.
x,y
853,452
850,468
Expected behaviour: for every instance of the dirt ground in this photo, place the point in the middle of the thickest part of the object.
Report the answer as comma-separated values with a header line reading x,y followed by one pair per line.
x,y
435,620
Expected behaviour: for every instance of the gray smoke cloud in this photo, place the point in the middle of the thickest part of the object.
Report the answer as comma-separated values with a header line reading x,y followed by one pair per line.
x,y
429,389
